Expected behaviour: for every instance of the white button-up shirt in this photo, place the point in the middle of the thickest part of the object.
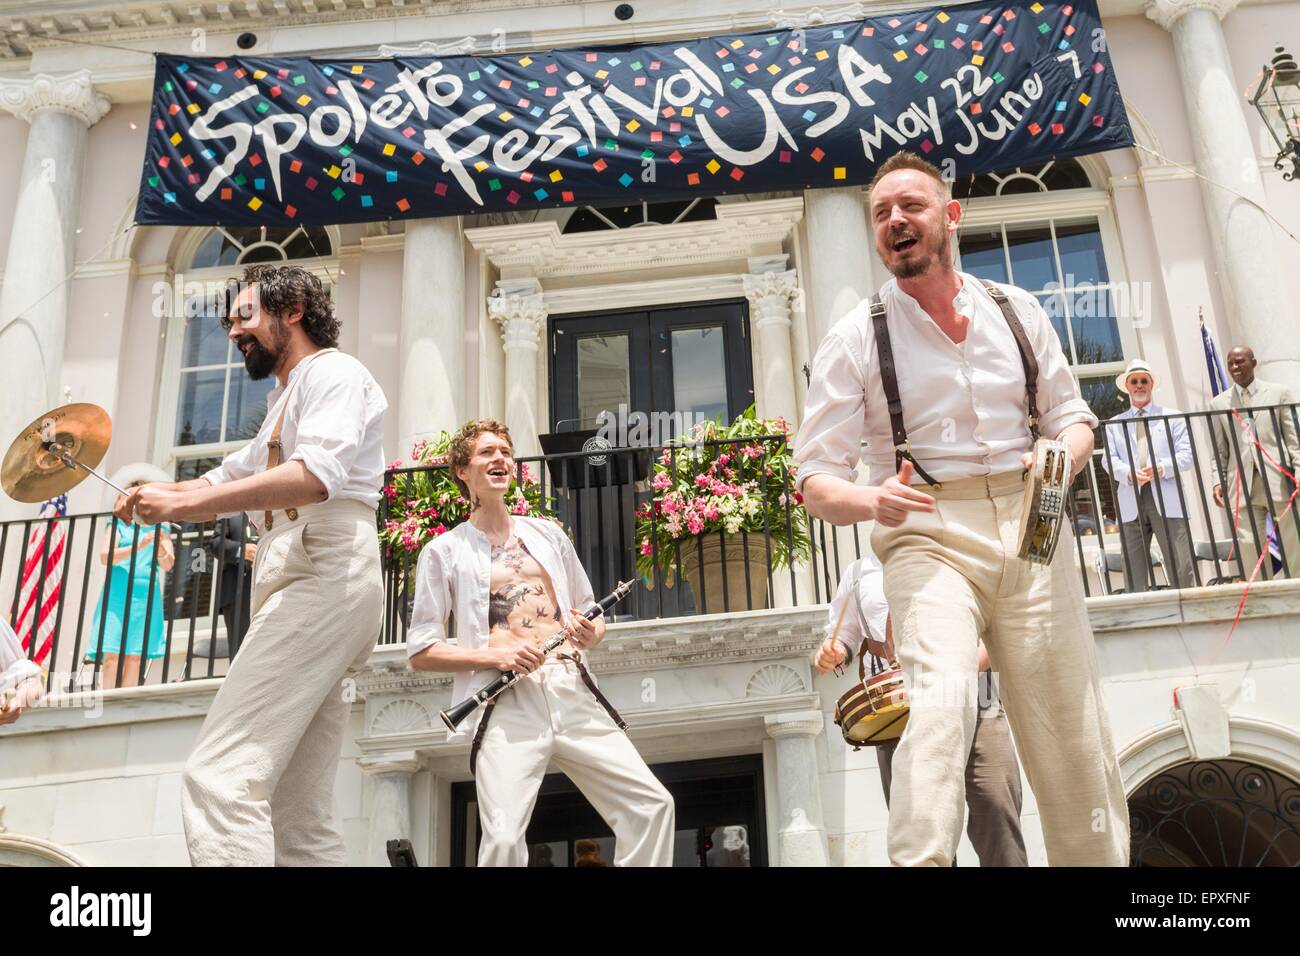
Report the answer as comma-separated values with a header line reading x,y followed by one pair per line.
x,y
334,425
14,665
964,404
860,600
454,577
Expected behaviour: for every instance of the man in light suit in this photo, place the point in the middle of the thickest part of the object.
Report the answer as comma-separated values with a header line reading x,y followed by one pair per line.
x,y
1145,458
1254,485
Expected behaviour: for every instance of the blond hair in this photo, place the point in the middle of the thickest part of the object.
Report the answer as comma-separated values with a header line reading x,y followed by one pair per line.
x,y
462,445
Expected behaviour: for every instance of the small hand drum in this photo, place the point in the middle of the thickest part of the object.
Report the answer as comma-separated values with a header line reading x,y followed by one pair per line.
x,y
875,711
1046,486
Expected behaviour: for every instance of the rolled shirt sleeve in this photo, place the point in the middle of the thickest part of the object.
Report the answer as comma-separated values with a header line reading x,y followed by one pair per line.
x,y
1060,403
432,602
829,441
336,407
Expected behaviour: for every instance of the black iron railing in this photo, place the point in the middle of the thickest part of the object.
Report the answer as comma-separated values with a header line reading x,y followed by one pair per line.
x,y
186,621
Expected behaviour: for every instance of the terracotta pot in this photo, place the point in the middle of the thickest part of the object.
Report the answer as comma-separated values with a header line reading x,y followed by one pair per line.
x,y
703,560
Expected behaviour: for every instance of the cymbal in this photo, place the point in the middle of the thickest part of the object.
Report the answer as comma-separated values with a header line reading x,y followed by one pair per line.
x,y
32,472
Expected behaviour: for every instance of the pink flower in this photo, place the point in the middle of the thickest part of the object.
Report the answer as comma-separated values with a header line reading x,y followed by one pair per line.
x,y
527,473
661,481
702,481
694,525
417,450
395,464
441,529
391,527
798,498
520,506
645,546
390,492
711,512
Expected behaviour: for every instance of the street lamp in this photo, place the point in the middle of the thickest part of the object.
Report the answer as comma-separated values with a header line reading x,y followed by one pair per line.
x,y
1278,101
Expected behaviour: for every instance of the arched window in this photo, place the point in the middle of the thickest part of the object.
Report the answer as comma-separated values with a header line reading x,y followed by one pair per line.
x,y
246,245
208,404
591,219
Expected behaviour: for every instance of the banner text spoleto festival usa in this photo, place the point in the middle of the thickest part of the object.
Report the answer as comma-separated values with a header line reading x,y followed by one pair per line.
x,y
974,88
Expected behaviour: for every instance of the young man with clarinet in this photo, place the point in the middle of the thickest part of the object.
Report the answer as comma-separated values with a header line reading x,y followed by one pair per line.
x,y
511,583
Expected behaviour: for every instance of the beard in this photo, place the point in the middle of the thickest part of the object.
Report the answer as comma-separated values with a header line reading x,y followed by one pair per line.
x,y
920,257
260,361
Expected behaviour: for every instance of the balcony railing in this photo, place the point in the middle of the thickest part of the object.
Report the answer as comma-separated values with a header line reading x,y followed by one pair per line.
x,y
52,572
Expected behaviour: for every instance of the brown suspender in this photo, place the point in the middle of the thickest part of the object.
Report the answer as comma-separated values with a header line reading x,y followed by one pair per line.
x,y
1027,359
889,380
273,444
885,353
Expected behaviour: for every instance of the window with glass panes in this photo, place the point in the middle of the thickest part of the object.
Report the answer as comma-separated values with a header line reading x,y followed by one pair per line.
x,y
1061,258
211,406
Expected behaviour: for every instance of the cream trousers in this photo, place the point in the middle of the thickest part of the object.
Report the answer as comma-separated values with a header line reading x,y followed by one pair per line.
x,y
553,717
258,788
951,578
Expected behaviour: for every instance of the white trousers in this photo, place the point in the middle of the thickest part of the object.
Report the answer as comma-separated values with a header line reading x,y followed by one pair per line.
x,y
552,716
952,578
258,788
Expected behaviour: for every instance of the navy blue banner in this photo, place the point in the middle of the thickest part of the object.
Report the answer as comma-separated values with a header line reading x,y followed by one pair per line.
x,y
247,140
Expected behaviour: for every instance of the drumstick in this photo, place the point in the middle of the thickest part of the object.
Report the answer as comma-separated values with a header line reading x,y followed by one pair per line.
x,y
835,634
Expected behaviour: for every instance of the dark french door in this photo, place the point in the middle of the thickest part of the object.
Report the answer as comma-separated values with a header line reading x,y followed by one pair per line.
x,y
718,809
647,375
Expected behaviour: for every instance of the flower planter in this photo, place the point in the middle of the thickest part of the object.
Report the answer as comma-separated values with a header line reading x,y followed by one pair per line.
x,y
707,558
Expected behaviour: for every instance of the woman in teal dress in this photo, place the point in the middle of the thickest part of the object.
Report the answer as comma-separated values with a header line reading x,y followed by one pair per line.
x,y
128,599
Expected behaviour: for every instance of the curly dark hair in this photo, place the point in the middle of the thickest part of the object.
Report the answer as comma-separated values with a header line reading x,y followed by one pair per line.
x,y
462,445
280,288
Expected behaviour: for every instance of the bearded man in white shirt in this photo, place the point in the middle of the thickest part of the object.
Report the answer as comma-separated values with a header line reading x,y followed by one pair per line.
x,y
258,787
968,357
510,582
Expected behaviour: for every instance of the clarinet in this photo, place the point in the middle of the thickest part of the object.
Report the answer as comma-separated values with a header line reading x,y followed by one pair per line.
x,y
454,715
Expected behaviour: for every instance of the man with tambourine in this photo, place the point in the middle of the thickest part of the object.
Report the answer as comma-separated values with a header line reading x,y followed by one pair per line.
x,y
510,583
859,626
980,394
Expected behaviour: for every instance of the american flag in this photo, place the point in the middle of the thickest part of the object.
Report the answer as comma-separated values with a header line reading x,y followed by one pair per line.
x,y
43,564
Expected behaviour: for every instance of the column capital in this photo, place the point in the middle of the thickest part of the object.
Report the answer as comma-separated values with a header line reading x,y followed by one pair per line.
x,y
519,307
761,285
1168,12
73,94
800,723
393,761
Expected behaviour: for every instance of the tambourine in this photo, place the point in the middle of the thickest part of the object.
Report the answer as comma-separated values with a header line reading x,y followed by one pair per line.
x,y
1043,515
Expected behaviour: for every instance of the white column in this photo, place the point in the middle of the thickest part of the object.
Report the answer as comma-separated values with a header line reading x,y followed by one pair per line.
x,y
799,798
839,256
42,249
390,806
770,288
432,388
1245,243
519,308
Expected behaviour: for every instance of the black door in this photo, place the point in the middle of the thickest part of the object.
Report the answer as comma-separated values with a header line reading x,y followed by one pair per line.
x,y
650,374
718,810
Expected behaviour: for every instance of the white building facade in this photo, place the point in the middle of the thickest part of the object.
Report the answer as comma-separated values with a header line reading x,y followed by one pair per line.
x,y
508,315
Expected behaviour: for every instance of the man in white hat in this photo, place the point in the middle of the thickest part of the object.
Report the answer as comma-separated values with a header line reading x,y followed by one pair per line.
x,y
1145,457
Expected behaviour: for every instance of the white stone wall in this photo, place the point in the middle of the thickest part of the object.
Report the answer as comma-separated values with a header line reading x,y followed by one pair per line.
x,y
105,786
